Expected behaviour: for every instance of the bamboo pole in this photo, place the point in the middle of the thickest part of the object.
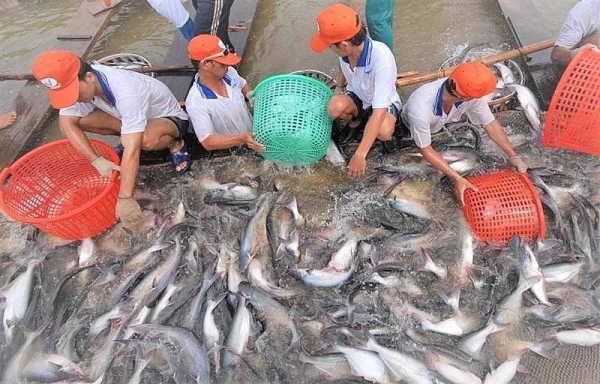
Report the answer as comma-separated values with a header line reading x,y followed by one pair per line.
x,y
444,72
167,69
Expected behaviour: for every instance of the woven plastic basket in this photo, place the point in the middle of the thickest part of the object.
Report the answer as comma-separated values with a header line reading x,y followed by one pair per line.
x,y
291,120
507,204
573,119
57,190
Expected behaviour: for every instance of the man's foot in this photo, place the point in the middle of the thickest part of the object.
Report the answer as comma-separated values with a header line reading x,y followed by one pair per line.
x,y
7,119
180,157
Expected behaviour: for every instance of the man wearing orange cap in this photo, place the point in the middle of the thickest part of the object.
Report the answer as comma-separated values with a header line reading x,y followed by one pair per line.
x,y
434,104
216,101
110,101
369,69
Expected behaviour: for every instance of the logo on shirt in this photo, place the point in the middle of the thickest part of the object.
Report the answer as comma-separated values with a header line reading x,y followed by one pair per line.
x,y
50,83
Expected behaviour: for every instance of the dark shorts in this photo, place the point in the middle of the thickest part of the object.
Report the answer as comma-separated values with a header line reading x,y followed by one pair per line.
x,y
364,114
182,125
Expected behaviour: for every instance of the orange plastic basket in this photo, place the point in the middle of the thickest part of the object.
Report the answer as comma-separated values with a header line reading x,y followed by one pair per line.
x,y
573,119
57,190
507,204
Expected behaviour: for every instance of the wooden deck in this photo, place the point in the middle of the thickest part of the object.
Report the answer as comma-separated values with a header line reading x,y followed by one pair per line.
x,y
32,104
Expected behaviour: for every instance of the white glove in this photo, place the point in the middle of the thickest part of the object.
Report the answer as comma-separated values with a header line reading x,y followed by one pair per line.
x,y
251,98
518,163
104,166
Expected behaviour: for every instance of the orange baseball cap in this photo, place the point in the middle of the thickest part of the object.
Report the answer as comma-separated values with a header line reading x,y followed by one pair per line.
x,y
57,71
209,47
473,79
335,23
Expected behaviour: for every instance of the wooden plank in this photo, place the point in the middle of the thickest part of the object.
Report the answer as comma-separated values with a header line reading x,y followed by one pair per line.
x,y
532,21
32,103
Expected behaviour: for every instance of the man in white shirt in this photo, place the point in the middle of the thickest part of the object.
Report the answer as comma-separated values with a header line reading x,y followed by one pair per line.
x,y
369,69
443,101
216,101
581,27
110,101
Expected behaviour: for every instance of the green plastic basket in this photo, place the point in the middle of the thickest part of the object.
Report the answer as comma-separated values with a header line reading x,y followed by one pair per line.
x,y
291,120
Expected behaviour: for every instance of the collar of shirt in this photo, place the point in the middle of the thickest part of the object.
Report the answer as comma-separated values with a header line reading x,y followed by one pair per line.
x,y
105,87
365,56
206,92
438,107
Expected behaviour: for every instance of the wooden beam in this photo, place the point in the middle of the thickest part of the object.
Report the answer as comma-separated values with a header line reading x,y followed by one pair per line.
x,y
32,103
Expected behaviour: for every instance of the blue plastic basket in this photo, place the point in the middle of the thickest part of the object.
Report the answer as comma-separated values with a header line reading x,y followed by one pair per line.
x,y
291,120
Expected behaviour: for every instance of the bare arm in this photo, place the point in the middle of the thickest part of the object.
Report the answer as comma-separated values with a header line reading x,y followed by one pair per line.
x,y
437,161
358,163
215,142
69,125
562,55
130,163
340,80
496,132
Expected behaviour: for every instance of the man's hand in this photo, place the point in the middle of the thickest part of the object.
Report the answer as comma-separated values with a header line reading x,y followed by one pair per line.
x,y
129,211
518,163
357,166
460,186
251,99
253,144
104,166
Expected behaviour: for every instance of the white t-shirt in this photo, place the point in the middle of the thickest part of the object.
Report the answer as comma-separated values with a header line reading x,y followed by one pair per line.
x,y
582,21
136,98
424,115
373,79
211,113
171,10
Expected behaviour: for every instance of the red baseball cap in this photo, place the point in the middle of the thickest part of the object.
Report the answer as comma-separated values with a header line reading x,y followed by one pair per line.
x,y
57,71
209,47
473,79
335,23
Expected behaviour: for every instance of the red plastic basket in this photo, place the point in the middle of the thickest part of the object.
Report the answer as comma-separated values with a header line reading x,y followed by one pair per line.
x,y
573,119
507,204
56,189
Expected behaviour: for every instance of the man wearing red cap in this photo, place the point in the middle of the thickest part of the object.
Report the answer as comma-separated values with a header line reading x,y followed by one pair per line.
x,y
369,69
216,101
443,101
581,27
110,101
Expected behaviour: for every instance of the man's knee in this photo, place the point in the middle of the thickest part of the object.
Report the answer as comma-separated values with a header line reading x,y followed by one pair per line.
x,y
340,106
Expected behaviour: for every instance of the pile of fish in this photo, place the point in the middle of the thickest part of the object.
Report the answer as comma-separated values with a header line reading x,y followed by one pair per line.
x,y
247,272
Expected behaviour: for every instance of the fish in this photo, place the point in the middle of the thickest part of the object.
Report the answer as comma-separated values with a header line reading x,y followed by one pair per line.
x,y
448,369
365,364
561,273
333,366
14,299
430,266
254,238
401,366
508,77
530,105
585,337
529,267
504,373
275,314
471,344
212,334
186,355
238,335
